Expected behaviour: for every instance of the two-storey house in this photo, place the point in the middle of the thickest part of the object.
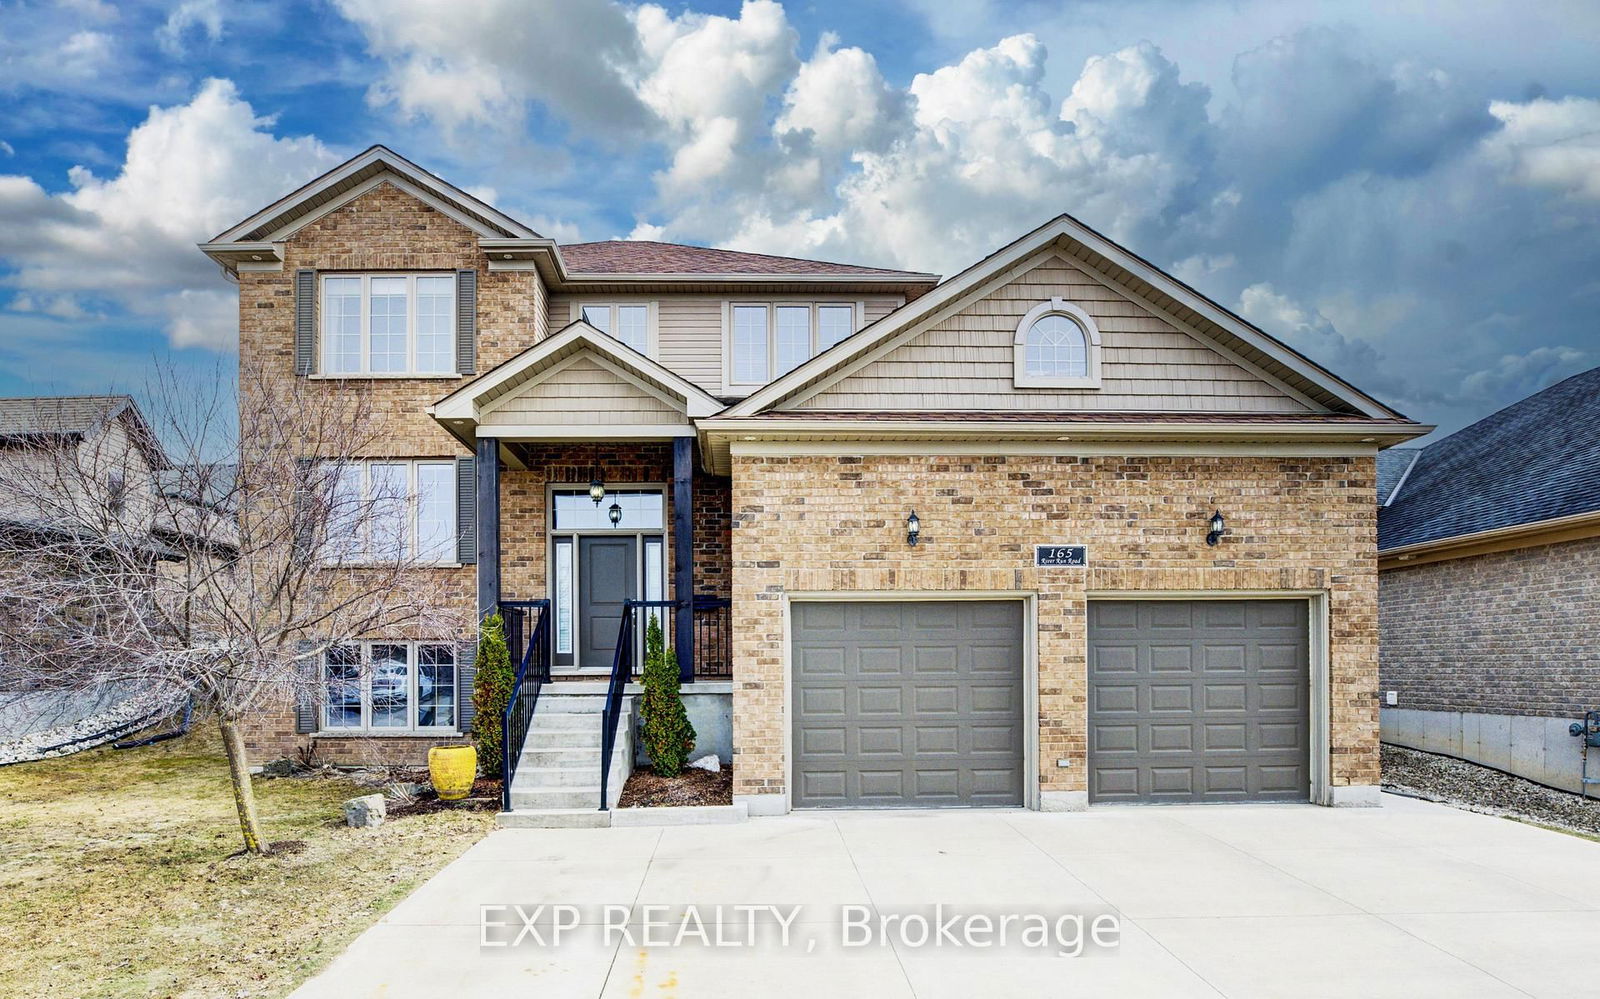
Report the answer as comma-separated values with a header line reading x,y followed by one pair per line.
x,y
1052,531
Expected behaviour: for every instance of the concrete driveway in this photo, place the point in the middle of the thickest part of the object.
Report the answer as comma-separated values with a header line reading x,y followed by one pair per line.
x,y
1407,900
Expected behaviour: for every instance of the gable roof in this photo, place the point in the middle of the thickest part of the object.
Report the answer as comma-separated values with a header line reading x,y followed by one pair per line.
x,y
75,417
462,407
1231,334
352,178
628,256
1536,460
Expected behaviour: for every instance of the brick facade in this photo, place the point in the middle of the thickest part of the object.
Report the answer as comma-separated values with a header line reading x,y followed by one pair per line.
x,y
1511,633
814,523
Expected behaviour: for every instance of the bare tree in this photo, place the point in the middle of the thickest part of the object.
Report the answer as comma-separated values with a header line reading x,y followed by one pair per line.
x,y
219,557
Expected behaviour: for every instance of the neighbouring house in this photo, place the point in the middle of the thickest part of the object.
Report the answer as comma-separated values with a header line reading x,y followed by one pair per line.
x,y
1056,530
1489,586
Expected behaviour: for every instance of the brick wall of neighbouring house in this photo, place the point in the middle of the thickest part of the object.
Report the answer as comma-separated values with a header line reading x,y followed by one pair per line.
x,y
1513,633
832,523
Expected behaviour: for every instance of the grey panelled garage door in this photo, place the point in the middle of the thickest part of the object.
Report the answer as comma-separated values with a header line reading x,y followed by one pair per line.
x,y
1199,700
916,703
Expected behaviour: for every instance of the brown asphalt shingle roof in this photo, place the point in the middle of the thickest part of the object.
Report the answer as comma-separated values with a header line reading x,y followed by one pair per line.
x,y
1024,416
629,256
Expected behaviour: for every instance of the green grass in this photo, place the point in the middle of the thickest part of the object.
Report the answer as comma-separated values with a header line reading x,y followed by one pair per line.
x,y
119,876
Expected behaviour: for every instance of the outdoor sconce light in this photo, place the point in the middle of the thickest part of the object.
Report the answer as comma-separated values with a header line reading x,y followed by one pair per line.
x,y
614,513
913,529
597,489
1218,525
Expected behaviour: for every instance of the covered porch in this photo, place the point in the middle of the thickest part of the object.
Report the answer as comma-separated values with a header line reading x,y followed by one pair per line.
x,y
591,505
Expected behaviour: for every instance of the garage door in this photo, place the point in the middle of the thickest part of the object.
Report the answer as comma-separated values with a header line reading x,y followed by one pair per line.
x,y
1199,701
907,704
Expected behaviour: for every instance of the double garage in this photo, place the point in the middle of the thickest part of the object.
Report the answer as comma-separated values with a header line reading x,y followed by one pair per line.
x,y
929,703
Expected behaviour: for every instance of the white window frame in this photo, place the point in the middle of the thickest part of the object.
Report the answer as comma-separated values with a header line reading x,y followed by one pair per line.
x,y
413,511
414,682
1091,338
651,324
324,343
857,311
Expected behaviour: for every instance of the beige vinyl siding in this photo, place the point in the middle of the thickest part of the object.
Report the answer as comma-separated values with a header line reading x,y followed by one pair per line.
x,y
965,362
582,388
689,328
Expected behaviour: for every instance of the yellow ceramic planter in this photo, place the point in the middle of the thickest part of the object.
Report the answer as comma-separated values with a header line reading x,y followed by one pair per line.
x,y
453,769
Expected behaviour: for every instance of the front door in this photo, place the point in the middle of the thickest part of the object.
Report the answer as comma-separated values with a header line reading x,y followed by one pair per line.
x,y
608,573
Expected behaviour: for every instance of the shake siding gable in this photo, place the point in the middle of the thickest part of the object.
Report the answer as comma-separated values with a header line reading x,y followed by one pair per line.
x,y
965,361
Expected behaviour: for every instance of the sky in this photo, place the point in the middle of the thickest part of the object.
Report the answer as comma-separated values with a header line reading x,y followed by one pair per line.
x,y
1407,191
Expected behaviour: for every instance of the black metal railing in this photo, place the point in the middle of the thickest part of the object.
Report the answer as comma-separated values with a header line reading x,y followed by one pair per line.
x,y
528,640
713,641
625,663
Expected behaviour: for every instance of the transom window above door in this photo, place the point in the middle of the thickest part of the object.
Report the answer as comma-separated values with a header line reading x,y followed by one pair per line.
x,y
388,324
642,510
628,323
767,340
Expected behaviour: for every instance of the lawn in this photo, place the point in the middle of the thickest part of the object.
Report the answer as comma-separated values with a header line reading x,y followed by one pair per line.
x,y
118,875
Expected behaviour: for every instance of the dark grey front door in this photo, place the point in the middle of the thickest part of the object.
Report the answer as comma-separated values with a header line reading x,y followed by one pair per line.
x,y
608,572
1199,700
915,703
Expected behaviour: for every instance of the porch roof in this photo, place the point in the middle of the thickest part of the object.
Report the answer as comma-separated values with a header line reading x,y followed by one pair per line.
x,y
578,385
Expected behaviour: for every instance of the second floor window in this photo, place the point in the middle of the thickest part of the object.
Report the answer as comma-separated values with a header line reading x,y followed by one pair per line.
x,y
392,510
770,340
388,324
628,323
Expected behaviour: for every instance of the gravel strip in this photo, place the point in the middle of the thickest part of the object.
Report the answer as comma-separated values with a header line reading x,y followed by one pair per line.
x,y
1482,789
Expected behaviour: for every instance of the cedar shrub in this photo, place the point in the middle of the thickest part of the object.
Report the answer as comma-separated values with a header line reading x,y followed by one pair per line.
x,y
664,726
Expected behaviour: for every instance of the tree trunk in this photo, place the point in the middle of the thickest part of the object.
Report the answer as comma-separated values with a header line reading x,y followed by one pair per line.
x,y
244,795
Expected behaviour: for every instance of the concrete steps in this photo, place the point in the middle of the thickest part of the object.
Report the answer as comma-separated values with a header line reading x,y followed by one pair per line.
x,y
557,783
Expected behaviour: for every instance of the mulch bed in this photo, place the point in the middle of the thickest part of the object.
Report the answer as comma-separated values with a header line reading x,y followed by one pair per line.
x,y
484,797
1483,789
692,787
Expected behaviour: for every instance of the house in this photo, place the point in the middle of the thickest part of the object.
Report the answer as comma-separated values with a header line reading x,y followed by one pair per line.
x,y
1489,552
1053,531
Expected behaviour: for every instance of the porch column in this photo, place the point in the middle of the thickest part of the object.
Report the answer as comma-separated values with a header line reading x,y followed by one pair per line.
x,y
487,467
683,553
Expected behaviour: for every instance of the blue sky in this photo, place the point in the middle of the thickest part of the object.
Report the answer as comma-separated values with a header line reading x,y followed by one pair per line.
x,y
1407,191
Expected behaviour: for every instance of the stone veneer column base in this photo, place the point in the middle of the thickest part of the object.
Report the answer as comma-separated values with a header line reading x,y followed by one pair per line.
x,y
1063,801
763,804
1355,796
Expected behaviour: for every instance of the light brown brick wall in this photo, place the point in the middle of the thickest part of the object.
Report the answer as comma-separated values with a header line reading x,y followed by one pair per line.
x,y
837,523
1513,633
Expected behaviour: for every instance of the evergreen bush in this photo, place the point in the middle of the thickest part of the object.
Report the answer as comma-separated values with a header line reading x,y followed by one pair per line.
x,y
491,690
664,724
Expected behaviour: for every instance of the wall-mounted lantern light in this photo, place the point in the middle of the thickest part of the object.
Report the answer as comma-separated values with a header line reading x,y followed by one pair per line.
x,y
597,489
913,529
615,513
1218,525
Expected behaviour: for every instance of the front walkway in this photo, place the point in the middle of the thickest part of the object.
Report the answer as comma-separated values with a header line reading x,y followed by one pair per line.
x,y
1411,899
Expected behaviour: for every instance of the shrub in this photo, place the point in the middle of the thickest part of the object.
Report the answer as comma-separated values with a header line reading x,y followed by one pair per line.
x,y
664,724
491,690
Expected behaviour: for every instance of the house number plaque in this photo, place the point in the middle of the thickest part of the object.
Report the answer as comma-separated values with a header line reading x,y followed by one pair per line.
x,y
1071,556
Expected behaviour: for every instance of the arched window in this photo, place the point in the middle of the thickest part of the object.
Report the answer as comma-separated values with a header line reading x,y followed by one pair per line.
x,y
1057,346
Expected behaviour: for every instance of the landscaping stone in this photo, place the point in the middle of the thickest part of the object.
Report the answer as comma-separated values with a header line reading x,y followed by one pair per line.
x,y
365,812
1483,789
708,762
133,713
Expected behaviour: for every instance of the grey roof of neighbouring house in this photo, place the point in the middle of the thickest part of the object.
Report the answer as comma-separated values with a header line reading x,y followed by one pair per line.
x,y
58,414
1393,465
1535,460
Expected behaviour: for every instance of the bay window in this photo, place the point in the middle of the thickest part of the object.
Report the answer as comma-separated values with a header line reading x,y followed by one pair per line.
x,y
388,324
389,687
768,340
391,510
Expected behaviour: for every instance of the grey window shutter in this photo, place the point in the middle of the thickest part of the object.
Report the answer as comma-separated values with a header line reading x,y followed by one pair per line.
x,y
304,526
467,322
305,320
466,512
466,676
305,701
